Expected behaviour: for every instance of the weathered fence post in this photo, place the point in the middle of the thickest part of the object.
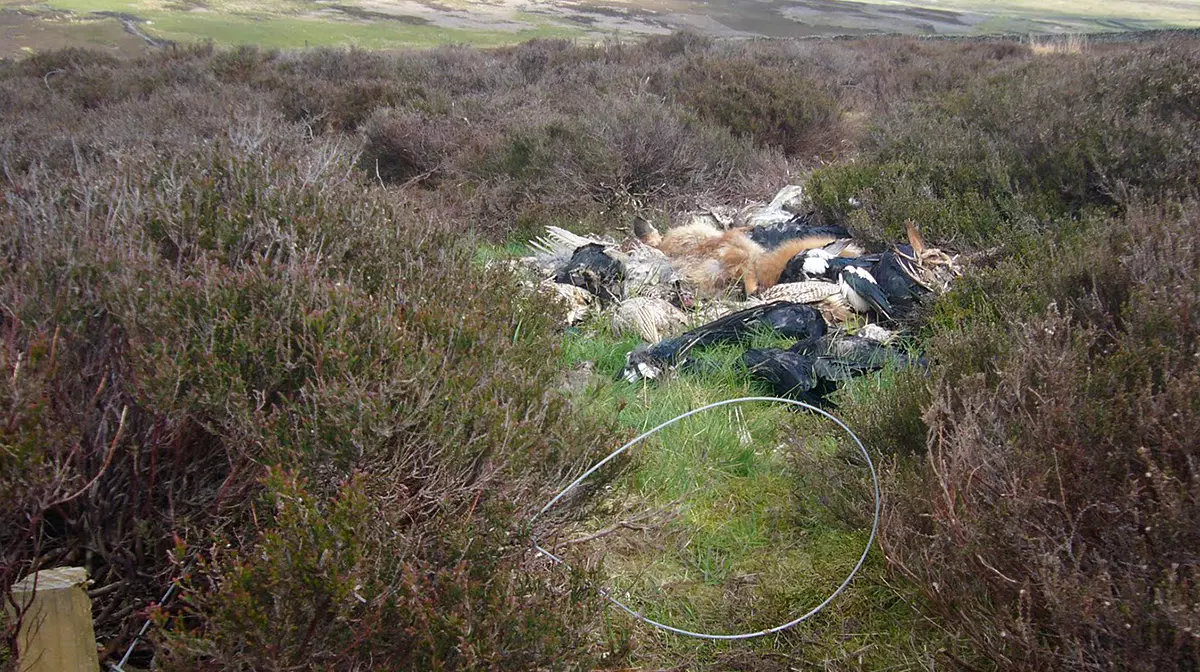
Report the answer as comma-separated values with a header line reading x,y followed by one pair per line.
x,y
56,631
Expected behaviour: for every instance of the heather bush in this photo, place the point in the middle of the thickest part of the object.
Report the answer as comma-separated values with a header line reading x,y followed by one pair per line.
x,y
338,90
662,124
403,145
774,106
245,346
679,43
1028,144
886,411
1052,521
602,164
208,353
241,65
322,594
1055,521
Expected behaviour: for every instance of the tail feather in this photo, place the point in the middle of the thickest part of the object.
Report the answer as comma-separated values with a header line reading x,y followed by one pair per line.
x,y
558,241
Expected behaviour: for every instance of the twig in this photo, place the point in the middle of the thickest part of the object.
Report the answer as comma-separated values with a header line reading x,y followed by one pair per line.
x,y
54,346
105,590
420,178
112,448
99,390
628,524
624,524
998,573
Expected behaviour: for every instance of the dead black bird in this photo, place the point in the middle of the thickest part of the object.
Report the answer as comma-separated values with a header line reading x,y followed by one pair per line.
x,y
884,282
594,270
811,369
794,320
896,276
862,292
801,375
771,236
824,263
789,374
790,320
856,353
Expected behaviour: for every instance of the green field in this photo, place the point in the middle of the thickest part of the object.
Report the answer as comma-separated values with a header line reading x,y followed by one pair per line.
x,y
290,32
386,24
273,25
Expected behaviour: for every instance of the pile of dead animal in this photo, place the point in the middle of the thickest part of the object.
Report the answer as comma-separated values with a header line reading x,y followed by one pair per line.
x,y
721,275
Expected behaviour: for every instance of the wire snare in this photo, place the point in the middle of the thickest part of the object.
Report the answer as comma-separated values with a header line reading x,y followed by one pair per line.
x,y
704,635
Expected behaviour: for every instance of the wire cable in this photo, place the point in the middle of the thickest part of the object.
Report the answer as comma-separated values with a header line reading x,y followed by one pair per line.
x,y
704,635
120,667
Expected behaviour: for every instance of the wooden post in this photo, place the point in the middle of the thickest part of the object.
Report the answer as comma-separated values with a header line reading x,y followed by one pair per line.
x,y
56,630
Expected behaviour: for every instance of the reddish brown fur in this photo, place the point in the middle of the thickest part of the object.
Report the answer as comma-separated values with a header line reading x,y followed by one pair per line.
x,y
769,266
712,260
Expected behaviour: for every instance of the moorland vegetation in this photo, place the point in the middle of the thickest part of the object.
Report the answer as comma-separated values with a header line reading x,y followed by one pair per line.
x,y
247,342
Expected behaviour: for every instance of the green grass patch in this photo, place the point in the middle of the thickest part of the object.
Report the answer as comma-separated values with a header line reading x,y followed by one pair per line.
x,y
490,252
289,32
286,25
760,513
87,6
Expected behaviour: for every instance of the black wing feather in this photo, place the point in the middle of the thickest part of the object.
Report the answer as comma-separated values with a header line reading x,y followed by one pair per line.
x,y
771,236
869,291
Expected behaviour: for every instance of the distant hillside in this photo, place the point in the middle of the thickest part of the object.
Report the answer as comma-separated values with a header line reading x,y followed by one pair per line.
x,y
125,25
